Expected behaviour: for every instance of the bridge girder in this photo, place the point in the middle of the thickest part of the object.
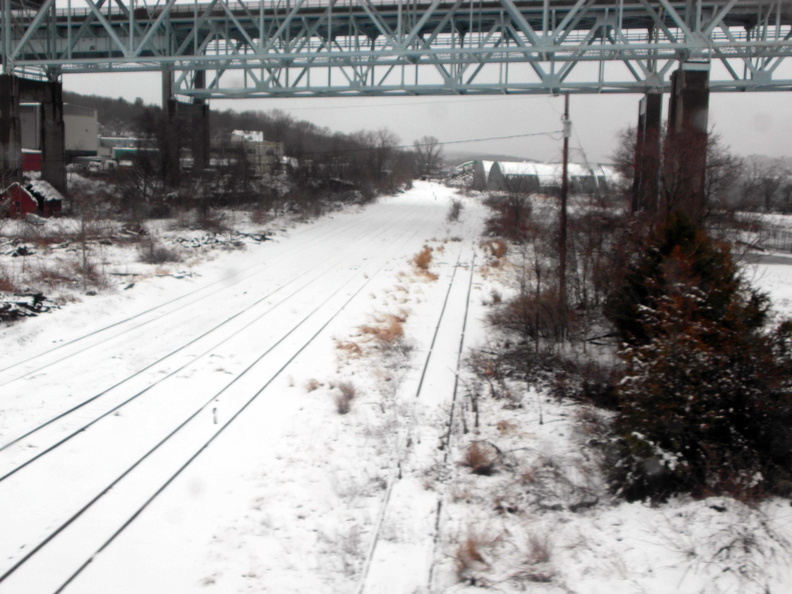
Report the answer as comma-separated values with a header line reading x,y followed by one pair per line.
x,y
402,47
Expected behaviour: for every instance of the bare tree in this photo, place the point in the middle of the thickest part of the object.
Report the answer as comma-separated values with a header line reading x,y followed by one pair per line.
x,y
428,155
722,171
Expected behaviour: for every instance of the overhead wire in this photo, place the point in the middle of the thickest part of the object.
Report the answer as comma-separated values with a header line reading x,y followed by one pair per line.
x,y
555,135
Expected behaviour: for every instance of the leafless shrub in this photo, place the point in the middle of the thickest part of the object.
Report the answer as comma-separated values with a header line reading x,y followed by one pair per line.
x,y
89,273
152,251
7,284
555,486
312,384
489,367
454,211
259,216
51,276
343,399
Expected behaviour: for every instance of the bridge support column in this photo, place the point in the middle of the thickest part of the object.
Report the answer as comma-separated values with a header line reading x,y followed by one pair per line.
x,y
10,131
170,147
198,113
192,118
198,116
52,141
646,183
686,145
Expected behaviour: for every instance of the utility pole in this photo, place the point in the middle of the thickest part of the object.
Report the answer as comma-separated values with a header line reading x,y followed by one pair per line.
x,y
562,247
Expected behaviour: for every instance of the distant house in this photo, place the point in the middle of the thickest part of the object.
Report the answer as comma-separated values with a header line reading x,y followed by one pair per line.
x,y
262,155
38,198
50,201
16,201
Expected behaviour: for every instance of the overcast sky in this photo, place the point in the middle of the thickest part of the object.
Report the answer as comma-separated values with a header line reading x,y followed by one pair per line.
x,y
749,123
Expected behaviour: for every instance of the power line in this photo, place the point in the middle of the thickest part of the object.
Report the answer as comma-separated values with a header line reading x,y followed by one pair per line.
x,y
554,135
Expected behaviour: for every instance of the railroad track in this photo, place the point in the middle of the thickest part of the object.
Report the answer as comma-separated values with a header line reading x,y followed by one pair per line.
x,y
123,327
429,447
55,548
227,328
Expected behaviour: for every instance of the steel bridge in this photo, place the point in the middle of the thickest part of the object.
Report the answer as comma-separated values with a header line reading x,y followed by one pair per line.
x,y
288,48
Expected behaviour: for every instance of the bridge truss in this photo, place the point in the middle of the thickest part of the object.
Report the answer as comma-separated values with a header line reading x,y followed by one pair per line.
x,y
240,48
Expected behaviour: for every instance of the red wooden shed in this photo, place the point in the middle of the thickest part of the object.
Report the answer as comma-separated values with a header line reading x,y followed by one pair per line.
x,y
16,201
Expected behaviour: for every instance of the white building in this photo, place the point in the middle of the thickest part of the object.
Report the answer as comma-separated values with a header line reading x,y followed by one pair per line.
x,y
81,129
263,156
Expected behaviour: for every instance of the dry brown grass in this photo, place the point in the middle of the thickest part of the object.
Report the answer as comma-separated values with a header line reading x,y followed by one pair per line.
x,y
506,427
421,262
386,330
349,348
497,248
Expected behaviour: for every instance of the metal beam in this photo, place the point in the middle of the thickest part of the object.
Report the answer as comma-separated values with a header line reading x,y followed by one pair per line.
x,y
362,46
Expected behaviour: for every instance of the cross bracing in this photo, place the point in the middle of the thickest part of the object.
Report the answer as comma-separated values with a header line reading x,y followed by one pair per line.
x,y
399,47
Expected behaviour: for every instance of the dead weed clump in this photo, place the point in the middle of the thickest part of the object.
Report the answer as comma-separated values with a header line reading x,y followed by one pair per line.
x,y
349,348
344,396
454,210
312,384
421,262
470,556
387,329
496,249
480,457
537,563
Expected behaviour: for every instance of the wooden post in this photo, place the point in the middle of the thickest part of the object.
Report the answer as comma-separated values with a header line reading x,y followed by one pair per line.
x,y
562,242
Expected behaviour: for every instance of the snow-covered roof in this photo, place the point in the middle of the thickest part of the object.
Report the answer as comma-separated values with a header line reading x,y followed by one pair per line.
x,y
45,190
487,165
518,168
553,170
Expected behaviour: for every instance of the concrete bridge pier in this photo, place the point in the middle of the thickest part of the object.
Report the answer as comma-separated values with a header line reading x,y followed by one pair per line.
x,y
13,91
686,144
183,121
646,183
170,145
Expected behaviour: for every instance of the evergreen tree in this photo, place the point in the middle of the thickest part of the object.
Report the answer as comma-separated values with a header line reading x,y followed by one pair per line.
x,y
705,399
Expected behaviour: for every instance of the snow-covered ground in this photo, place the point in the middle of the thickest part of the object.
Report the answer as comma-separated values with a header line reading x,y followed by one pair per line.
x,y
293,417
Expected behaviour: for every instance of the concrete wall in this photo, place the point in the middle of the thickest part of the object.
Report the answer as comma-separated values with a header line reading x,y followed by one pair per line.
x,y
30,120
